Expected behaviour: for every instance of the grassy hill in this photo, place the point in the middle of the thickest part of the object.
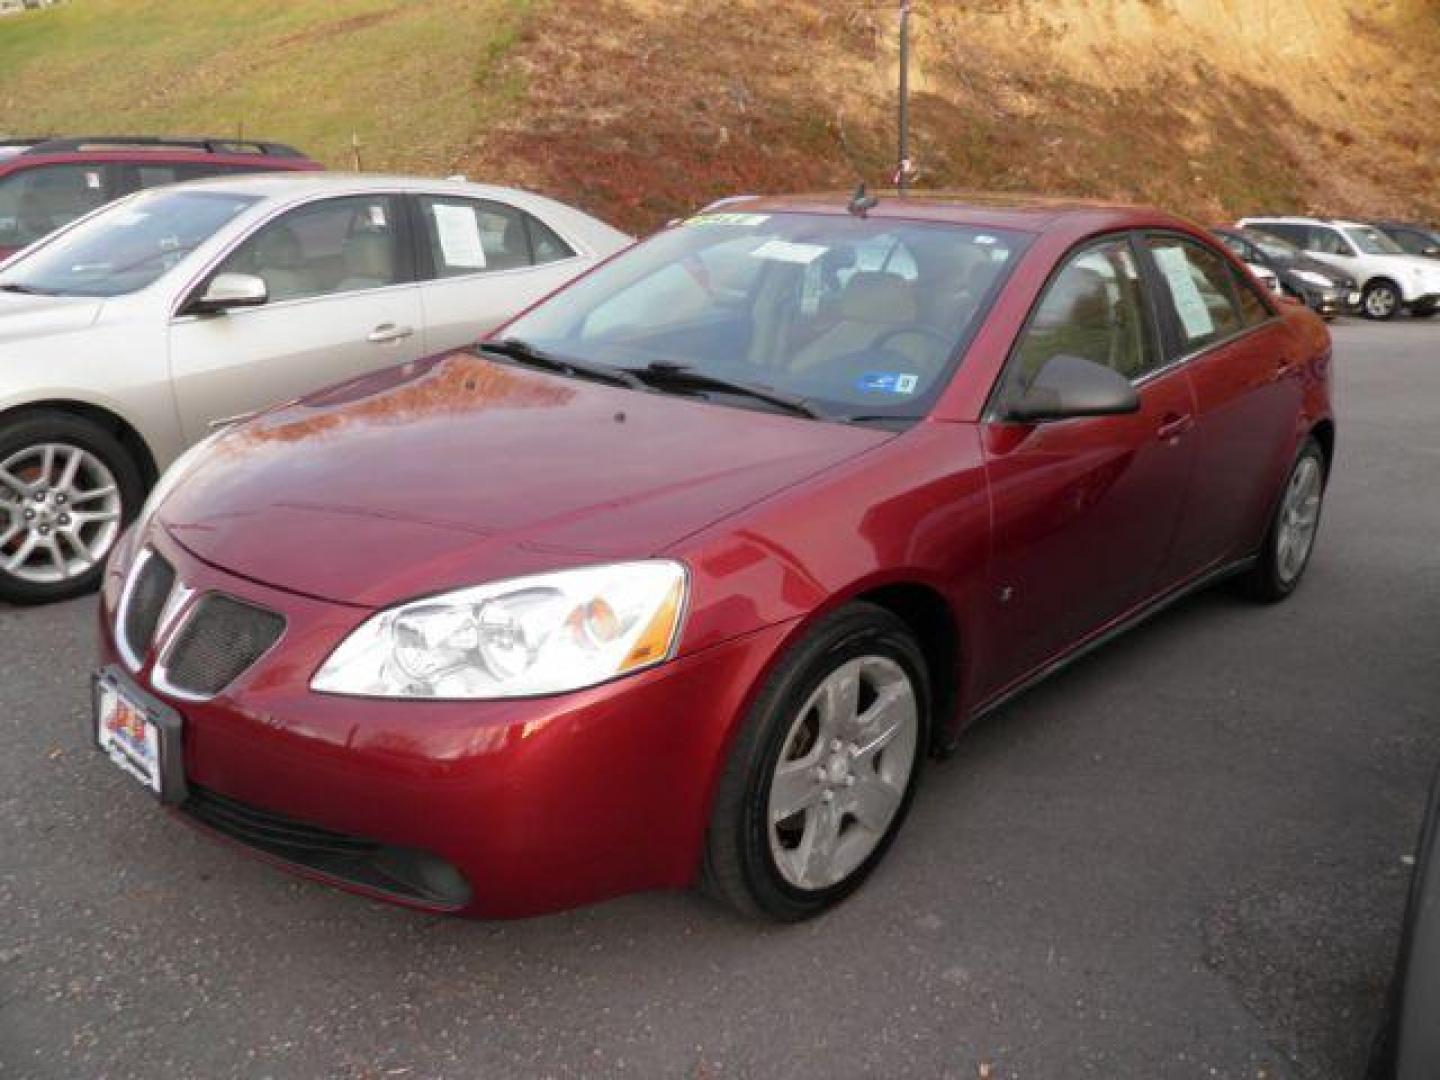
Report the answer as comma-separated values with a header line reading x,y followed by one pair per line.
x,y
641,109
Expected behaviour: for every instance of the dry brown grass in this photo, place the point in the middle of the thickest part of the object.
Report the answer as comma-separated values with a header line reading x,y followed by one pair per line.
x,y
641,109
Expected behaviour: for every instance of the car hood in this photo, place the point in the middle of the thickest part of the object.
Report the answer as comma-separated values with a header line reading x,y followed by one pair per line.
x,y
459,470
23,316
1315,266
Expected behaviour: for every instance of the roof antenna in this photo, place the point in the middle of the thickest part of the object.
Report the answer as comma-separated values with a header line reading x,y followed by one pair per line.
x,y
861,203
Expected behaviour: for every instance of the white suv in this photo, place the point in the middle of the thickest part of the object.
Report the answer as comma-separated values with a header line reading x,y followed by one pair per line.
x,y
1389,278
126,336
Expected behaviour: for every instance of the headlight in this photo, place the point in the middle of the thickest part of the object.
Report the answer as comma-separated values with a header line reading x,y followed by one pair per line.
x,y
1312,278
527,636
178,470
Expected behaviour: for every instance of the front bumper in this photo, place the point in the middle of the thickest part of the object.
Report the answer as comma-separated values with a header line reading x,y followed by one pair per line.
x,y
1332,302
535,804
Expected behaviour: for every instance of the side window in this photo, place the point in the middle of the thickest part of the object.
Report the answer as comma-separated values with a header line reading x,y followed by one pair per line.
x,y
1412,242
1253,311
1295,234
1198,286
471,236
1326,241
1094,309
333,246
545,245
37,201
156,174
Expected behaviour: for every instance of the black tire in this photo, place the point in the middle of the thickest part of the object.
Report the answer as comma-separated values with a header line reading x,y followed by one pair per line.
x,y
1265,581
51,426
739,868
1380,301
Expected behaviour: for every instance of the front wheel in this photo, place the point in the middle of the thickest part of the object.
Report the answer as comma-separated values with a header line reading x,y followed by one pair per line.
x,y
823,769
67,487
1381,300
1291,539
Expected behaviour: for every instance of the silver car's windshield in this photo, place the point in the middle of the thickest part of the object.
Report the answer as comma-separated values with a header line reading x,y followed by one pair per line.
x,y
854,317
125,247
1374,242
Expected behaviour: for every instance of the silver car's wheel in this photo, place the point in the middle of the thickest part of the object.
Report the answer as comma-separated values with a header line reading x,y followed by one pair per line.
x,y
60,513
1299,519
1381,300
843,772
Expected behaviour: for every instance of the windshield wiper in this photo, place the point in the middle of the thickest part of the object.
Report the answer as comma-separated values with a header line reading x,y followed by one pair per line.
x,y
667,376
522,352
24,290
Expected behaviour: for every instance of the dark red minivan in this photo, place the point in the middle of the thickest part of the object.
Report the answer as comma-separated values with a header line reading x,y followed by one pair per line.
x,y
680,578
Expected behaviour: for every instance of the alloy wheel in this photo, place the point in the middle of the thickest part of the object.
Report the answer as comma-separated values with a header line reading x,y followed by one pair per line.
x,y
1299,519
843,771
1380,302
60,512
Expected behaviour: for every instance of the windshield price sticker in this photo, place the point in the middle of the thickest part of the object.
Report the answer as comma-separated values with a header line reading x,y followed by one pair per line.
x,y
727,219
784,251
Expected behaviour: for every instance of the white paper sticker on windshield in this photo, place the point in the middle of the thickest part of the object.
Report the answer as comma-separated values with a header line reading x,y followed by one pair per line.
x,y
727,219
377,216
92,180
984,239
784,251
459,235
1189,304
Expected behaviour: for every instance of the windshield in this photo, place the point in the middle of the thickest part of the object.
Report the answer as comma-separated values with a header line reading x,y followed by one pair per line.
x,y
126,247
1373,242
856,318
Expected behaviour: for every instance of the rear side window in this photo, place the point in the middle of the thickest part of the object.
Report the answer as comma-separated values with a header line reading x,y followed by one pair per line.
x,y
35,202
1197,285
1295,234
475,236
156,174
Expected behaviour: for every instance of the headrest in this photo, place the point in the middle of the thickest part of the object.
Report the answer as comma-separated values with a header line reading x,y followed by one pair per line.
x,y
1078,298
874,297
367,254
278,248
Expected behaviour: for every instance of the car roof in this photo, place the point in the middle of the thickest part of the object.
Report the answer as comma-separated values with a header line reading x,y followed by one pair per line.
x,y
293,185
1026,213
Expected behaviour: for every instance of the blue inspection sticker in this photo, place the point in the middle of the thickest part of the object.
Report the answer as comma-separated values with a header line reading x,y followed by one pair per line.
x,y
888,382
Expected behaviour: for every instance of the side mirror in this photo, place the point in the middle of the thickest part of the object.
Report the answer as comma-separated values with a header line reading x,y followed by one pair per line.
x,y
227,291
1070,386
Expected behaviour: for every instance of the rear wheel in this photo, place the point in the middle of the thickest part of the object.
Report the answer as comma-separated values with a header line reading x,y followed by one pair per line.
x,y
1291,539
823,771
67,487
1381,300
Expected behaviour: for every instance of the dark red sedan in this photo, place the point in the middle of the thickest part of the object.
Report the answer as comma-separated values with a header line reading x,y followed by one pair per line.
x,y
680,579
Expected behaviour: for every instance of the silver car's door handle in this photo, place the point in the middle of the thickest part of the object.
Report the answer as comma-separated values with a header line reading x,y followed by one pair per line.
x,y
388,332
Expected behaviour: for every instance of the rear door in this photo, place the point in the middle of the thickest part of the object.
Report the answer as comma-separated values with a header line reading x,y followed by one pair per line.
x,y
482,261
1085,510
1245,368
343,301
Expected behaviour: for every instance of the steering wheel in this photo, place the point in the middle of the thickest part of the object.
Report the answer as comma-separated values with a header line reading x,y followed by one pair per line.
x,y
917,330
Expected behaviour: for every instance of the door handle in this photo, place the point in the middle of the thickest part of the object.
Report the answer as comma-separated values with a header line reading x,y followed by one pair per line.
x,y
1174,425
387,332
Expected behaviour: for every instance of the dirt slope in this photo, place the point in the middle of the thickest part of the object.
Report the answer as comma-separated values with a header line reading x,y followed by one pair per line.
x,y
642,108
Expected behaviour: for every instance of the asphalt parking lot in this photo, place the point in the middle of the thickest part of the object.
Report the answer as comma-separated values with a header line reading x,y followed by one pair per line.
x,y
1183,857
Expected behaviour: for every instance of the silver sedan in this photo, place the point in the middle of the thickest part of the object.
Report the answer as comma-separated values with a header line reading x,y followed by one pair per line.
x,y
127,336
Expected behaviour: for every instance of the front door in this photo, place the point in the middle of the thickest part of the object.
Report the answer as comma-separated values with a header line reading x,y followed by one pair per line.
x,y
1085,510
342,301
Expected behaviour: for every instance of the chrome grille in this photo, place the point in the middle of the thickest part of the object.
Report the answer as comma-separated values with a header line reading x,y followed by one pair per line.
x,y
220,638
149,588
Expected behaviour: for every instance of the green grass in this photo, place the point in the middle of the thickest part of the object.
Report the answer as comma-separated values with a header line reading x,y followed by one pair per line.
x,y
414,82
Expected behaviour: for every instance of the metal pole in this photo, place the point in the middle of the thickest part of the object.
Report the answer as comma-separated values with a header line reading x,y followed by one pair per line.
x,y
902,171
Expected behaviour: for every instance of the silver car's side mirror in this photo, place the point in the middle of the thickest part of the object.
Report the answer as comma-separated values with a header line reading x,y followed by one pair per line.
x,y
227,291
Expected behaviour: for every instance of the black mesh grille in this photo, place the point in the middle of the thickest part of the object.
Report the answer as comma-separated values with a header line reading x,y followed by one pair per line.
x,y
399,871
219,640
148,593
